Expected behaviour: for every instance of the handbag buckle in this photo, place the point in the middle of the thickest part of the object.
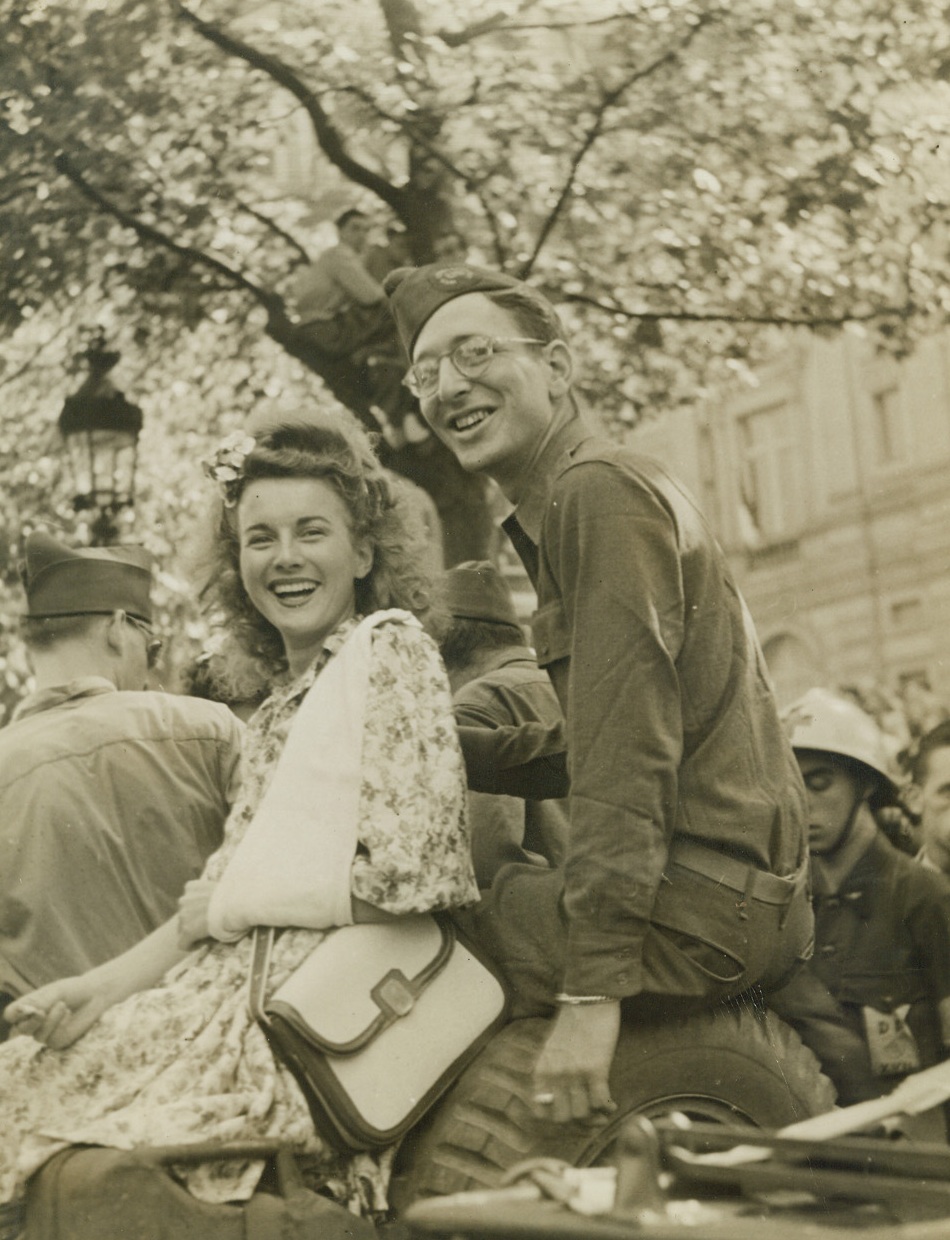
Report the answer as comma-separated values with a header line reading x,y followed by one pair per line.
x,y
394,994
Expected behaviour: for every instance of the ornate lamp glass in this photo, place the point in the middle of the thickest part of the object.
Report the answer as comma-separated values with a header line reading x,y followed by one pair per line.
x,y
101,429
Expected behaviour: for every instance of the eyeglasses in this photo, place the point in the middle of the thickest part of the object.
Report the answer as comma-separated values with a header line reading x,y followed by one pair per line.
x,y
153,644
469,357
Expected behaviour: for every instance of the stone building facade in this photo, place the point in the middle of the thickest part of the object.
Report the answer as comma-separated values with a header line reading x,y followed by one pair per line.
x,y
828,483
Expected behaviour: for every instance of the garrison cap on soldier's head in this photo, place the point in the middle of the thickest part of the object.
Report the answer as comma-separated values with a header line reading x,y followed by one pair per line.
x,y
415,293
476,590
64,581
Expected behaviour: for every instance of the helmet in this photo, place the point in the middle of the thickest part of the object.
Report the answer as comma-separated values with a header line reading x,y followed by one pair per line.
x,y
829,723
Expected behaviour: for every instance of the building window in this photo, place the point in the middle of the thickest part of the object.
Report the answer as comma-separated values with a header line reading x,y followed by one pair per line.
x,y
769,507
891,432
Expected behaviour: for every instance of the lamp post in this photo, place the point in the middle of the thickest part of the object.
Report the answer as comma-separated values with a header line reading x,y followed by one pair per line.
x,y
101,429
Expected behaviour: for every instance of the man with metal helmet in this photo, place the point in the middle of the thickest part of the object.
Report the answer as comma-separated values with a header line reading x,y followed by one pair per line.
x,y
882,922
826,723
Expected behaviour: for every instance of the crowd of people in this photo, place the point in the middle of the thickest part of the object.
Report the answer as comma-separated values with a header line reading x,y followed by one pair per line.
x,y
612,808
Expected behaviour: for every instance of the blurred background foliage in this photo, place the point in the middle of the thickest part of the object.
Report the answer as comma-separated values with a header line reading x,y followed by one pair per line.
x,y
687,179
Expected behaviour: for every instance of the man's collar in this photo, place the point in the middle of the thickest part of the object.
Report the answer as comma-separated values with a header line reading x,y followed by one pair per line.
x,y
57,695
533,504
505,657
517,654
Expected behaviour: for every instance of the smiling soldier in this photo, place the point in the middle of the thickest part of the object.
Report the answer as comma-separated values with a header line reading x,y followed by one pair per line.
x,y
685,879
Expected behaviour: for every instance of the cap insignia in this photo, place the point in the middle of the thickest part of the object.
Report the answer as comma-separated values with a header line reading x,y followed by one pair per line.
x,y
453,277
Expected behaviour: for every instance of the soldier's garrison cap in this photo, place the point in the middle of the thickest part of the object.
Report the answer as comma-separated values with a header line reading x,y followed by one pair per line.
x,y
65,581
415,293
476,590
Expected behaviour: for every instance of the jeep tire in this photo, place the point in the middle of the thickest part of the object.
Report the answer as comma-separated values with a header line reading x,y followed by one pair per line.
x,y
736,1064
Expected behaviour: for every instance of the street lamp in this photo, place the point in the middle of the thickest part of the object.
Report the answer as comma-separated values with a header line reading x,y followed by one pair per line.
x,y
101,429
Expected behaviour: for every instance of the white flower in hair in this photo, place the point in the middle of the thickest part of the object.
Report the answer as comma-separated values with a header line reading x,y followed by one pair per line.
x,y
226,464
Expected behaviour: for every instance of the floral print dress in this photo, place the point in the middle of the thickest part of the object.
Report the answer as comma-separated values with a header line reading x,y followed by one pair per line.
x,y
184,1062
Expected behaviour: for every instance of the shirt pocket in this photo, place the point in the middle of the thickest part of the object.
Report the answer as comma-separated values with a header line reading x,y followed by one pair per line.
x,y
551,634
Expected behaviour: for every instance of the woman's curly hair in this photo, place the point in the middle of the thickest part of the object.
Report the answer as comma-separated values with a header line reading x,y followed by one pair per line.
x,y
338,452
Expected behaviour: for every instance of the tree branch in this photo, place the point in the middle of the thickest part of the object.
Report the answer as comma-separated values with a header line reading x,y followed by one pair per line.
x,y
271,302
488,25
31,360
774,320
275,228
500,22
402,19
270,224
608,100
418,138
328,136
414,133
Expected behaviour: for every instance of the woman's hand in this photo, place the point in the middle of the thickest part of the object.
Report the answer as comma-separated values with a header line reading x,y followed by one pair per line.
x,y
60,1013
193,913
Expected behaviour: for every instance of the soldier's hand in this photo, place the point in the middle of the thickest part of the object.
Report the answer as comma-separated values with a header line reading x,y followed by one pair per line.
x,y
571,1079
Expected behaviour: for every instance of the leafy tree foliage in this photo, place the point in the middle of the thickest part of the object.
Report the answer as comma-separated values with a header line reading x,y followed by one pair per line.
x,y
685,177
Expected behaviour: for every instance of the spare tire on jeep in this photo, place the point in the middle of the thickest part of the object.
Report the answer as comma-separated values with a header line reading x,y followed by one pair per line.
x,y
735,1064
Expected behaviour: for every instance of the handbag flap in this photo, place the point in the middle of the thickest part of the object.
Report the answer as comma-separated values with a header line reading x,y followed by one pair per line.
x,y
385,1083
362,978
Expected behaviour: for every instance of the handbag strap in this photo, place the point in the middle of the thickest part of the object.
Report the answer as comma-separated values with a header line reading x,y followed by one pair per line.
x,y
263,945
209,1151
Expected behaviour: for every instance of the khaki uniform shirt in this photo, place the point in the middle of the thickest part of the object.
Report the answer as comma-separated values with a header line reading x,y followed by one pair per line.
x,y
672,729
506,828
109,803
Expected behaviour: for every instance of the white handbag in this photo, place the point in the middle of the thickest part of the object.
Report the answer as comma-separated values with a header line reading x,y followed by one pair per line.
x,y
377,1022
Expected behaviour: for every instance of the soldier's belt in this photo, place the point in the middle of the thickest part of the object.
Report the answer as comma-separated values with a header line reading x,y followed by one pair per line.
x,y
749,880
